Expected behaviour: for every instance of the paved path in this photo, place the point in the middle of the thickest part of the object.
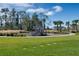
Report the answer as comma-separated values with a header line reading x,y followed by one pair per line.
x,y
53,35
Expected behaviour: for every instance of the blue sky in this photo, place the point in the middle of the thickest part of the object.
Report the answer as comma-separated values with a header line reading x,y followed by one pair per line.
x,y
55,11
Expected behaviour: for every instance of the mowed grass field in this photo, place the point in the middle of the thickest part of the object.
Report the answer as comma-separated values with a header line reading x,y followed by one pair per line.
x,y
42,46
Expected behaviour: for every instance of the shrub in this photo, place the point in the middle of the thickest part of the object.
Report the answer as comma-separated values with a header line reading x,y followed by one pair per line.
x,y
61,32
20,34
73,31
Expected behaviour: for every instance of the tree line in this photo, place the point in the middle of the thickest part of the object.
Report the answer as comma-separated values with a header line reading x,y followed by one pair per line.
x,y
20,20
74,25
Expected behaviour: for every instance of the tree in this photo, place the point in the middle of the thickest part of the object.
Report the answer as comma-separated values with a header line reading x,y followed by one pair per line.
x,y
75,22
26,23
1,21
58,23
5,11
36,21
43,18
22,16
13,18
68,24
17,21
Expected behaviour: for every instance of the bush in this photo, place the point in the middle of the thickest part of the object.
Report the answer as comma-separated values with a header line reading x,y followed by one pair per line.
x,y
10,34
73,31
43,34
61,32
1,34
20,34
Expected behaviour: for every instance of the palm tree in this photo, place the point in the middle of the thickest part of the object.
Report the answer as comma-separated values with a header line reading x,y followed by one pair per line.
x,y
68,24
60,23
56,23
75,22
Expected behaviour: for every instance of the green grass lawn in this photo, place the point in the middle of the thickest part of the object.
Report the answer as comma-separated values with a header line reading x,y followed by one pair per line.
x,y
51,46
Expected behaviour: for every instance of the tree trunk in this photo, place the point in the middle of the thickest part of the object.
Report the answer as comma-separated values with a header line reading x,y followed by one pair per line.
x,y
57,28
44,25
68,28
1,23
5,21
60,28
76,28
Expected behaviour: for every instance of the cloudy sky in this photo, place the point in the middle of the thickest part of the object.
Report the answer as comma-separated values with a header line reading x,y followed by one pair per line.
x,y
55,11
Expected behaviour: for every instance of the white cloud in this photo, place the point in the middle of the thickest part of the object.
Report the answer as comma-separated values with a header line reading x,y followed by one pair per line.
x,y
30,10
57,8
49,13
38,10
